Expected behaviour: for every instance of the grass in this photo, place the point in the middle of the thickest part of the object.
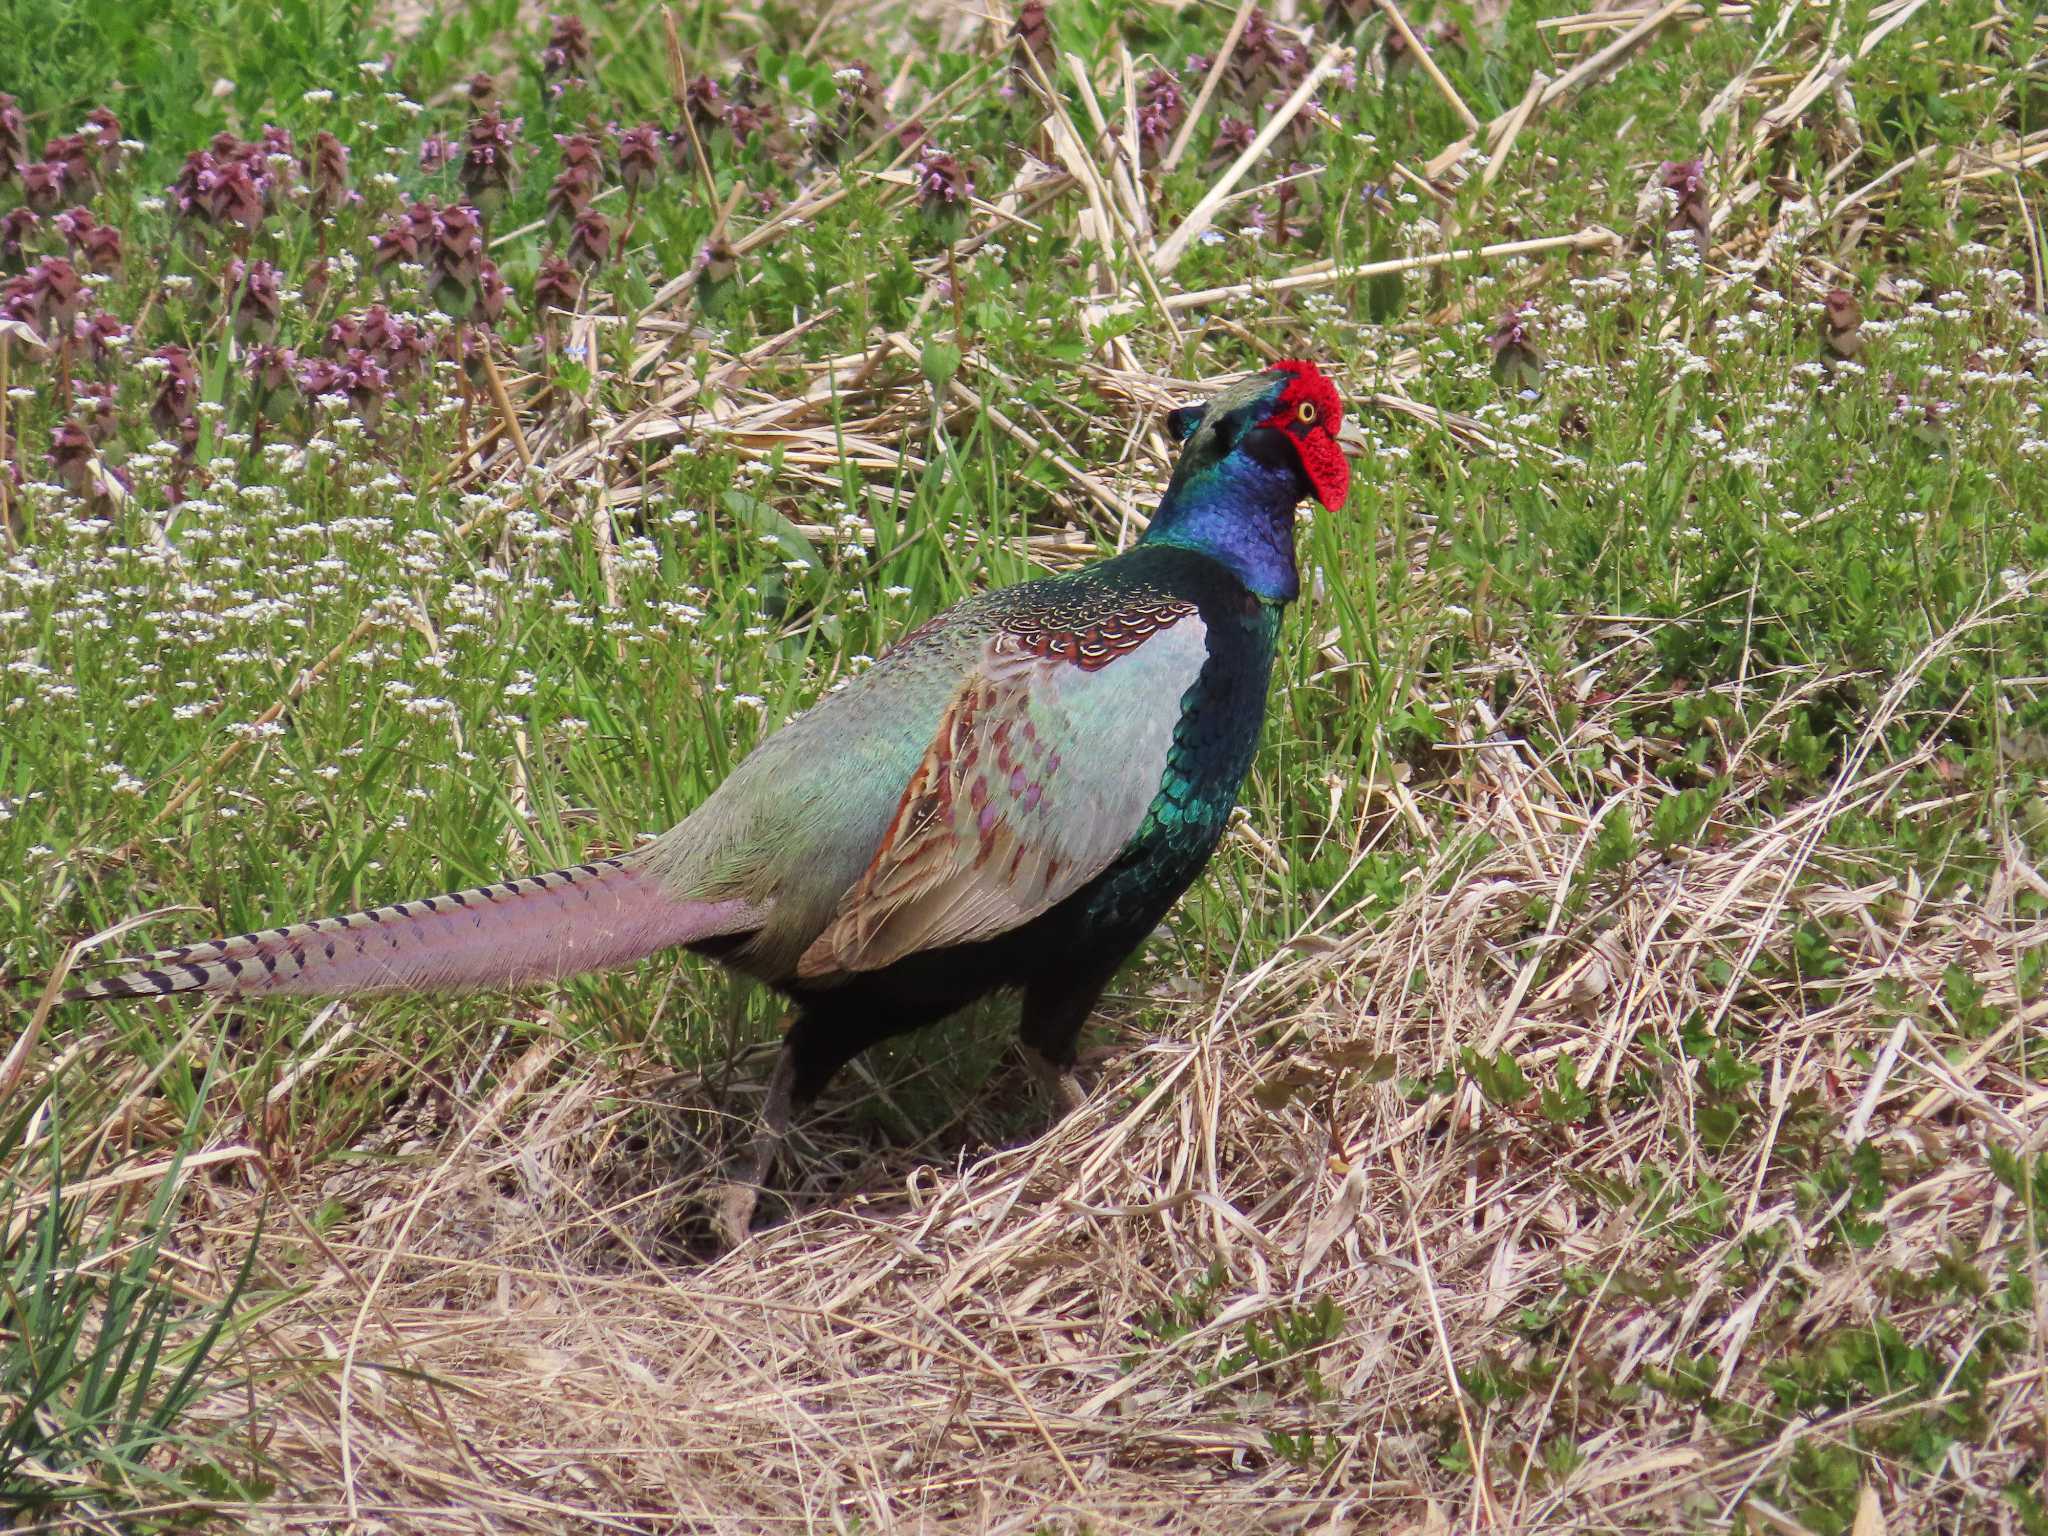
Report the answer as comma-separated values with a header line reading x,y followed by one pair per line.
x,y
1598,1087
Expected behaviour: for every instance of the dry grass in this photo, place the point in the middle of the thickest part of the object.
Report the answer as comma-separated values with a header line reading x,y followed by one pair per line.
x,y
500,1336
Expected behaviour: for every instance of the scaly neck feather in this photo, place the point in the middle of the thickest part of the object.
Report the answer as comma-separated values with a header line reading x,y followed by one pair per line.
x,y
1239,511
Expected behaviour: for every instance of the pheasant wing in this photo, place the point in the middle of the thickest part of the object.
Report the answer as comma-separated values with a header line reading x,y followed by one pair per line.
x,y
1045,763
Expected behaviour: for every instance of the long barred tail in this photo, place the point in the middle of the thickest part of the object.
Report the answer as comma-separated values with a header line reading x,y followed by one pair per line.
x,y
539,928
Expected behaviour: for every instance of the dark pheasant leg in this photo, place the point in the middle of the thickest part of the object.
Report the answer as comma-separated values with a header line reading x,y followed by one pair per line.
x,y
734,1213
815,1048
1049,1029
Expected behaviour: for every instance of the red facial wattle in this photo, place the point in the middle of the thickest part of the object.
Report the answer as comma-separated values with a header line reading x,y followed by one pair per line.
x,y
1310,412
1326,467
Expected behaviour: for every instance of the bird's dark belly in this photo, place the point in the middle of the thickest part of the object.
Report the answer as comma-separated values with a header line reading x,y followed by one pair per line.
x,y
1074,936
1091,933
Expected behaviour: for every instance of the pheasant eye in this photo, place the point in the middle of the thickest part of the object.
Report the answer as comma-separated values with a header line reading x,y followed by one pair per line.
x,y
1305,413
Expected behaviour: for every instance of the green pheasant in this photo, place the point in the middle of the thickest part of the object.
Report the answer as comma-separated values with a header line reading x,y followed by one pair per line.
x,y
1011,797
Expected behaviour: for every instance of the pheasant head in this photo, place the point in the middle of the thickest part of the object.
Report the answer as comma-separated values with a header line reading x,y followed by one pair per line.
x,y
1248,457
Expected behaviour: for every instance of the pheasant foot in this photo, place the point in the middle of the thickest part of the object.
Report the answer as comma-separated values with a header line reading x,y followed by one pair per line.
x,y
1057,1082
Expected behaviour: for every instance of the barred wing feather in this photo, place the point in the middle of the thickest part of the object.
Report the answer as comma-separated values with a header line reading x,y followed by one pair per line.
x,y
1042,770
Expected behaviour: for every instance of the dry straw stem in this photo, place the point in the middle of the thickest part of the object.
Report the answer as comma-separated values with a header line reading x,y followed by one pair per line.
x,y
1422,56
1209,84
1110,218
679,82
1585,72
1628,15
1511,130
508,414
1167,257
1822,79
1122,156
1324,274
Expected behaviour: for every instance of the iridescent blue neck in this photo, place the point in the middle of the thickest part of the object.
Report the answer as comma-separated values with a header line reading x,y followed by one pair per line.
x,y
1239,512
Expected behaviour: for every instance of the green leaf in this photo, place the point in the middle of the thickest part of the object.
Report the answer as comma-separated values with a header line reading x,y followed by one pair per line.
x,y
1615,843
940,363
1499,1077
1679,817
1718,1124
1567,1103
750,512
